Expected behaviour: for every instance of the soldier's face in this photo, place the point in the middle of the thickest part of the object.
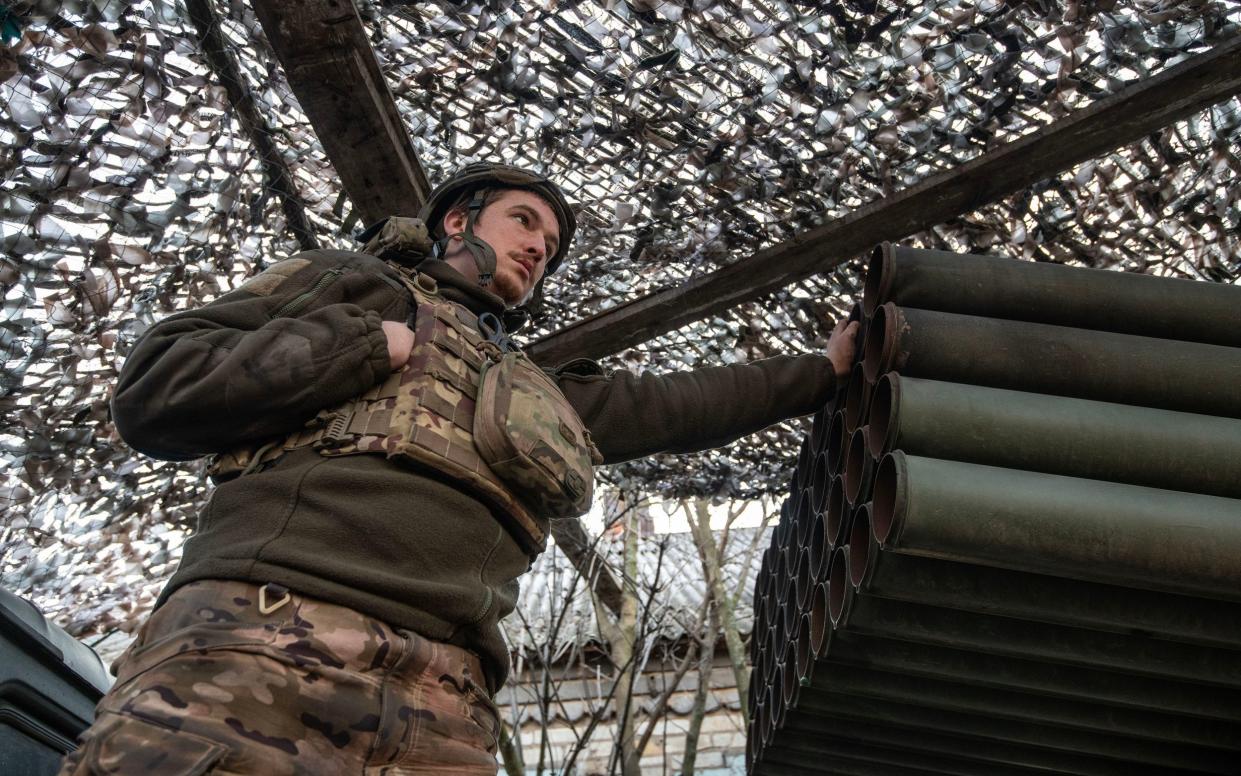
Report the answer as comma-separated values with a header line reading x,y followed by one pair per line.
x,y
522,230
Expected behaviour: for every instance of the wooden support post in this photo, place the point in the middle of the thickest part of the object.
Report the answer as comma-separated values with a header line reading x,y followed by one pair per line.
x,y
332,69
1109,123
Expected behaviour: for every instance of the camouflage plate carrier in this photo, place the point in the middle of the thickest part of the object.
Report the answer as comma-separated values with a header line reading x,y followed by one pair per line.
x,y
472,408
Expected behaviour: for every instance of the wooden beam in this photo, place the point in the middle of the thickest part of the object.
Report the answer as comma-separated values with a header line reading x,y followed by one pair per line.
x,y
1109,123
279,179
571,538
332,69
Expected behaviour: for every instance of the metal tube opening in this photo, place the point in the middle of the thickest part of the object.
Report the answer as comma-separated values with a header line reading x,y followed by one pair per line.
x,y
836,512
859,545
805,583
805,513
835,443
837,585
878,278
880,341
819,485
884,420
857,398
859,467
818,547
819,621
804,663
884,509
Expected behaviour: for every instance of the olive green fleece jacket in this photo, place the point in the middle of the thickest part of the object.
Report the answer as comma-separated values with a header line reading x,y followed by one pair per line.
x,y
363,531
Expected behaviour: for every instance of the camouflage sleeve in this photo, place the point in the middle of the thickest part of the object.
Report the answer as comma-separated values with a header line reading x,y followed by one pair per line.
x,y
630,416
260,360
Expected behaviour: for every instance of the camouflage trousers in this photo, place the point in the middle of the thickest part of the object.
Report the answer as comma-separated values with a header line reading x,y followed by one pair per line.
x,y
212,685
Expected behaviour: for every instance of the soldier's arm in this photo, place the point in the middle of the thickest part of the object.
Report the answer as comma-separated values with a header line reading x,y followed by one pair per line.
x,y
260,360
630,416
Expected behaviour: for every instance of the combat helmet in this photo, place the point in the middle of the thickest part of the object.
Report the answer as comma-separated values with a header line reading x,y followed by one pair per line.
x,y
477,180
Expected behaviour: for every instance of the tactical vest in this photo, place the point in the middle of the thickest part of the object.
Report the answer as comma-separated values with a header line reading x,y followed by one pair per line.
x,y
469,408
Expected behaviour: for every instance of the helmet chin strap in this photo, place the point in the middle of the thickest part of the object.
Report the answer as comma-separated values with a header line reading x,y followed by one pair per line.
x,y
483,254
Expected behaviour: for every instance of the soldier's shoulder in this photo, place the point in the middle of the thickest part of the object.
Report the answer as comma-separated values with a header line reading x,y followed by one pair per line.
x,y
336,256
318,260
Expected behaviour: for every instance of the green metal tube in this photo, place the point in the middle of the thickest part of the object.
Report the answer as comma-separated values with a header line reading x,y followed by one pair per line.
x,y
1057,435
881,729
1080,751
1027,675
1039,597
994,635
1036,357
830,754
1155,726
994,287
1098,531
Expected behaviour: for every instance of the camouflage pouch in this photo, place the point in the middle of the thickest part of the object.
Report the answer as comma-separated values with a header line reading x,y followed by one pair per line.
x,y
529,435
396,238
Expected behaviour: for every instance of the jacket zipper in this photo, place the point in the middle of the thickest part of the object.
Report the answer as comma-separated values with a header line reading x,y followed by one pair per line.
x,y
297,303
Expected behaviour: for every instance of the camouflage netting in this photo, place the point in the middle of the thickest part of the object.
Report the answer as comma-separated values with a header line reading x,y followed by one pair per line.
x,y
690,133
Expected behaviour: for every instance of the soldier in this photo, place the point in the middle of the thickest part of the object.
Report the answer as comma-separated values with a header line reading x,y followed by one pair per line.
x,y
386,464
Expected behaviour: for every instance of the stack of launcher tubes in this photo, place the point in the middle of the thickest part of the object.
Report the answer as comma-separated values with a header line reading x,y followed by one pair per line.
x,y
1013,541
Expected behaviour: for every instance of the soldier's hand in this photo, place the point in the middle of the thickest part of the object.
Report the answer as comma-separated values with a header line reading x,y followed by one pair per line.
x,y
400,342
842,346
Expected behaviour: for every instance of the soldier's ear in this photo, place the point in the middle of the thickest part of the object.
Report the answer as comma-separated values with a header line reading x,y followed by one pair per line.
x,y
454,220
